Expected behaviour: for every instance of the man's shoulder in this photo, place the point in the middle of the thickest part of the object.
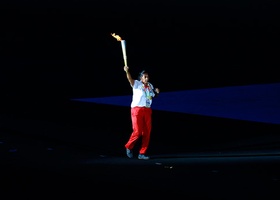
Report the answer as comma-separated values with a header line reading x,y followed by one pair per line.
x,y
137,82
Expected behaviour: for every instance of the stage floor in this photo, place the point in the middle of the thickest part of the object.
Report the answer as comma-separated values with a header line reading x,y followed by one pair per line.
x,y
36,168
75,149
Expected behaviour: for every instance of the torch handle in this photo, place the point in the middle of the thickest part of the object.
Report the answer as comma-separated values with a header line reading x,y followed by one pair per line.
x,y
125,61
124,52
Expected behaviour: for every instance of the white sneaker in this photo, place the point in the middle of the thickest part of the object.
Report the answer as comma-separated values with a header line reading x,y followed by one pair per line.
x,y
129,153
143,157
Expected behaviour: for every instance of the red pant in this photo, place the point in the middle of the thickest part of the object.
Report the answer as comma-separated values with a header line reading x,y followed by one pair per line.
x,y
141,124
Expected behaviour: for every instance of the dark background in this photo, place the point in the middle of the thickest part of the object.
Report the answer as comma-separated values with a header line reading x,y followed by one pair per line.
x,y
62,49
57,50
54,51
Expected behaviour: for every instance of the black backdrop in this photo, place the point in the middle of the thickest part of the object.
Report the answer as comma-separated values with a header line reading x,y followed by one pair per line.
x,y
62,49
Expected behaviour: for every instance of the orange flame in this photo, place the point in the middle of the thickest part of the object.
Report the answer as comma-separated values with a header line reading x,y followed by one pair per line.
x,y
116,36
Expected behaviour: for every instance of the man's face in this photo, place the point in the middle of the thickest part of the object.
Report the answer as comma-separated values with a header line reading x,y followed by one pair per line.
x,y
145,78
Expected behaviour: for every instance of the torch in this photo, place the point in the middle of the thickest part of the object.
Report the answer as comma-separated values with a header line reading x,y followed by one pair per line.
x,y
123,43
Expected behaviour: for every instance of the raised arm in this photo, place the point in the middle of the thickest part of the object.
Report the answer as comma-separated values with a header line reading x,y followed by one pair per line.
x,y
128,75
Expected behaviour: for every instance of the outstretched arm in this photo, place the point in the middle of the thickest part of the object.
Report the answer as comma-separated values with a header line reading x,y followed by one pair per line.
x,y
128,75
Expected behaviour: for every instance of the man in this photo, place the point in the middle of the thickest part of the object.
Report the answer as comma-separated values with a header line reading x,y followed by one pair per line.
x,y
141,112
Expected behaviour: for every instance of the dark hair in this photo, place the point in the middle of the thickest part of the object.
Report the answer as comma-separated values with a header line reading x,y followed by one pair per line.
x,y
141,74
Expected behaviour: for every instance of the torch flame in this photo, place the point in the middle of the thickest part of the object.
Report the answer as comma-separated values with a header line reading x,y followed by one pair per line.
x,y
116,36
